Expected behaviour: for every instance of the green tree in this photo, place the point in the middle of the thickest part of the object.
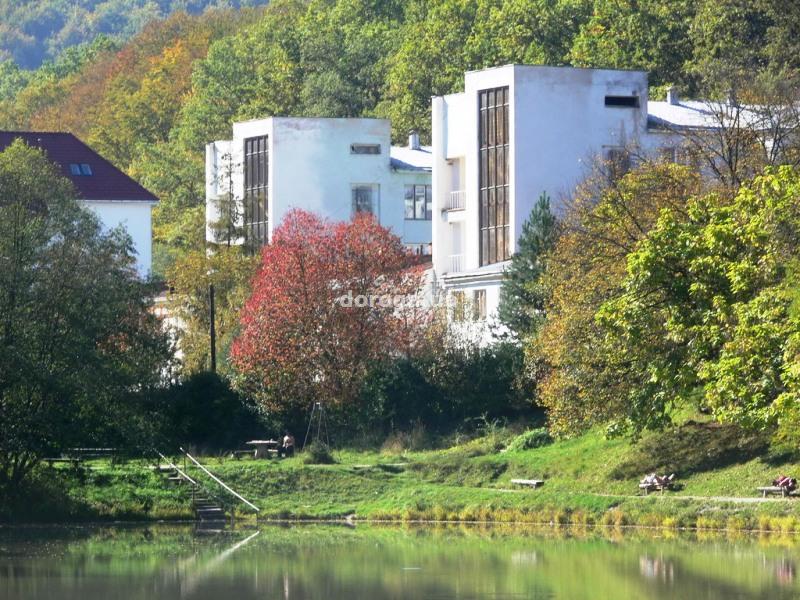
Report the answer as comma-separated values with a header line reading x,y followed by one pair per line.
x,y
705,311
522,297
79,345
652,35
429,61
582,379
229,269
533,32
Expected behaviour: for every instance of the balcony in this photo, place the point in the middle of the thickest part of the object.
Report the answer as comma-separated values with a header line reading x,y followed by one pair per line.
x,y
454,263
456,200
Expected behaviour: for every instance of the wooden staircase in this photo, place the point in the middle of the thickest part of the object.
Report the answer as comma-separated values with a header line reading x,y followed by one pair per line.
x,y
206,508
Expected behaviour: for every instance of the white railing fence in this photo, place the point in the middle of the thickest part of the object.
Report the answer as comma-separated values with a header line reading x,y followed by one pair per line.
x,y
456,200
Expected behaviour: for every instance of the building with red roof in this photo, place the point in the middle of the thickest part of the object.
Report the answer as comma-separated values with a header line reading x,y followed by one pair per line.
x,y
113,196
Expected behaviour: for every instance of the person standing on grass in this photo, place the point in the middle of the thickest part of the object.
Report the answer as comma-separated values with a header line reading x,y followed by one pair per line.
x,y
287,449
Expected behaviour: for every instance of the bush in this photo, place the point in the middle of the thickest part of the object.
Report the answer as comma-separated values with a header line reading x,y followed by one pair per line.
x,y
318,454
433,390
534,438
398,442
205,413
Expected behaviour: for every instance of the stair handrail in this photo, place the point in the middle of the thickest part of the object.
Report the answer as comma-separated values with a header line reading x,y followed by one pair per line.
x,y
172,465
219,481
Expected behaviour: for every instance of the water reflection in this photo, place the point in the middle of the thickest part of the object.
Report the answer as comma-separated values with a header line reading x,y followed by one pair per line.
x,y
657,568
310,562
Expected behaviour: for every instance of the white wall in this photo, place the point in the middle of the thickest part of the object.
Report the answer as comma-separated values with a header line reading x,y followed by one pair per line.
x,y
312,168
559,124
135,217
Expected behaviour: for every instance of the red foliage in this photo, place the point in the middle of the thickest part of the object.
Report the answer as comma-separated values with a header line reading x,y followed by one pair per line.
x,y
306,333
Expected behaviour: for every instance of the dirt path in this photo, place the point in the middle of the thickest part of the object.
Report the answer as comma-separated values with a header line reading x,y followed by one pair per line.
x,y
734,499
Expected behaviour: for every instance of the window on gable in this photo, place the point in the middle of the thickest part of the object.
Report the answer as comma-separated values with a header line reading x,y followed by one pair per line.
x,y
365,148
74,169
623,101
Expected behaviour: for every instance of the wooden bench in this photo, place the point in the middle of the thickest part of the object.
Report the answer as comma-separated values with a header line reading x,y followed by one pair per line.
x,y
74,461
656,487
89,453
531,483
778,490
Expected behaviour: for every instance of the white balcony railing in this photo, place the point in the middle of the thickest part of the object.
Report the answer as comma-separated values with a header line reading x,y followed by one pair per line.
x,y
456,200
455,263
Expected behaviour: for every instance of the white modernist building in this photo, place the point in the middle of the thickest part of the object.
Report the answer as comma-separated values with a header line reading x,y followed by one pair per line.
x,y
331,167
115,198
515,133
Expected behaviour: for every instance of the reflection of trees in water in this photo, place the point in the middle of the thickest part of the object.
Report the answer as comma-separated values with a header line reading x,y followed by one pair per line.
x,y
667,577
298,563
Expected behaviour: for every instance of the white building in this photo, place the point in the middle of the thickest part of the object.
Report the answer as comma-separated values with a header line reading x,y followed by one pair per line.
x,y
331,167
515,133
116,198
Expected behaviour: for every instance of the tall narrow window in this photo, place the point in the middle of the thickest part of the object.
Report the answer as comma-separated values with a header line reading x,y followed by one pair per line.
x,y
458,306
479,305
493,175
365,199
256,191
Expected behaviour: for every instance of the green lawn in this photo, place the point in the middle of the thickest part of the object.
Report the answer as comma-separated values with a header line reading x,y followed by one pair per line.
x,y
588,480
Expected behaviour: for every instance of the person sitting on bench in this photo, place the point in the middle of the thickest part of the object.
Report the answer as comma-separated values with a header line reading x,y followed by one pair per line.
x,y
287,449
790,483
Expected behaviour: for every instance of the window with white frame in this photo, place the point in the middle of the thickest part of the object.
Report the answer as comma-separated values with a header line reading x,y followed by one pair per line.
x,y
419,203
365,198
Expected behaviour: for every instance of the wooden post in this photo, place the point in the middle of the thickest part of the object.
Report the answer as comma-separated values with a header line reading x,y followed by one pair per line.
x,y
212,329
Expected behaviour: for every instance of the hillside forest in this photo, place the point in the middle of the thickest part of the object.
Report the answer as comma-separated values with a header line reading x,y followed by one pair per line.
x,y
148,84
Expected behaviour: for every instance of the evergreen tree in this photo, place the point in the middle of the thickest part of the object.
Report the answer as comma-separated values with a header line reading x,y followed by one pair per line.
x,y
522,296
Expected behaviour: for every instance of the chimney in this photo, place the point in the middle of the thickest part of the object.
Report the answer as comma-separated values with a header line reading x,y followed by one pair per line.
x,y
672,95
413,140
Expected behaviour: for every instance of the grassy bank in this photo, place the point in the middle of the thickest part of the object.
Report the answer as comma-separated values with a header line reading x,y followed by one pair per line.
x,y
589,480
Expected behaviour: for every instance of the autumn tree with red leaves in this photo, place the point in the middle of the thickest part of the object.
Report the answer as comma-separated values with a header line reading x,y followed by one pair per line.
x,y
329,300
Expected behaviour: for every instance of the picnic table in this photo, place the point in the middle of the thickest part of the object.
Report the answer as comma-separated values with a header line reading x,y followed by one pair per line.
x,y
263,448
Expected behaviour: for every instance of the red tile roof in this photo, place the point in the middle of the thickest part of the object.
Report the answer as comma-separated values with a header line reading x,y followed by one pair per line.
x,y
106,181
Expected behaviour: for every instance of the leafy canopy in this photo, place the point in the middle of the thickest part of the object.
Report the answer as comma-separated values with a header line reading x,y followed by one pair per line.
x,y
706,307
317,318
79,345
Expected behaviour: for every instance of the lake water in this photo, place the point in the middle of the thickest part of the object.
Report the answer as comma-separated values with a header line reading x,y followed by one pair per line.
x,y
372,562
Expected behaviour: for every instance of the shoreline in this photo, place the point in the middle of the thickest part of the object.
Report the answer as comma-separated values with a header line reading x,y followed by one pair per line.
x,y
250,523
699,519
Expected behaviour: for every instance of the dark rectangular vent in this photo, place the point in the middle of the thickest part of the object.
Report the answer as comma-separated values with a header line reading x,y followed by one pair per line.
x,y
623,101
365,148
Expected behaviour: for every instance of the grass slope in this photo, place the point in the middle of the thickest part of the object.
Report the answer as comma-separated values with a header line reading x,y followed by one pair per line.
x,y
589,480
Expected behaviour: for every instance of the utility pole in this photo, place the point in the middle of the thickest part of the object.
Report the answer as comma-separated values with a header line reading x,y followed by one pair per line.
x,y
212,329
